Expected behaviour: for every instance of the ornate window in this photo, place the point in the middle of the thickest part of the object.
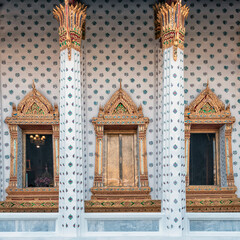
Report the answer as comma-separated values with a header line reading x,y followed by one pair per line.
x,y
208,146
121,173
34,167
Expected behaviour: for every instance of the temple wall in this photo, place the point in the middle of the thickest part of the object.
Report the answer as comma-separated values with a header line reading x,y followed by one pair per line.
x,y
29,51
119,45
212,53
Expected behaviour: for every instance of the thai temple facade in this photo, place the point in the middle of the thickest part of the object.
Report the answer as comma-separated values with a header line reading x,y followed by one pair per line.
x,y
119,119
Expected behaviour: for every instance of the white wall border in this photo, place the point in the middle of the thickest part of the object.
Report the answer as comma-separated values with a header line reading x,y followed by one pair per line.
x,y
29,217
123,216
208,217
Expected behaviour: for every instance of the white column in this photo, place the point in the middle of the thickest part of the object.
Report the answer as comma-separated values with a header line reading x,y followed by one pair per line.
x,y
71,193
71,18
169,27
173,195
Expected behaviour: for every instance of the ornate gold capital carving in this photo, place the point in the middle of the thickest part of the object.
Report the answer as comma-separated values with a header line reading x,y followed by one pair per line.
x,y
13,130
228,130
72,22
169,25
187,131
55,129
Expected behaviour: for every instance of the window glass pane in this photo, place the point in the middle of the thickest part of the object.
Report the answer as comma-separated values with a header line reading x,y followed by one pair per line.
x,y
202,158
39,160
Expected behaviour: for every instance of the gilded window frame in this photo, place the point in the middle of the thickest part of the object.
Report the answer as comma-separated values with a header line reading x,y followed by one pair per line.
x,y
33,113
213,120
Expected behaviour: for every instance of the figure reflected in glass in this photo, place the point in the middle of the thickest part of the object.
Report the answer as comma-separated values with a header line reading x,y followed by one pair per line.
x,y
39,155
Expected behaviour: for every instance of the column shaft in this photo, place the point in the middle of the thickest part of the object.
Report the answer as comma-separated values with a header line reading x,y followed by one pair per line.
x,y
173,198
71,195
169,27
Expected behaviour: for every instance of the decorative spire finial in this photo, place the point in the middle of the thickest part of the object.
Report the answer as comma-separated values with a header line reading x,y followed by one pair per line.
x,y
120,83
169,24
208,83
72,20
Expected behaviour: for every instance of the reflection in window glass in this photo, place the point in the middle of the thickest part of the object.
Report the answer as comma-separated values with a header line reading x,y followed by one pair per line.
x,y
202,153
39,160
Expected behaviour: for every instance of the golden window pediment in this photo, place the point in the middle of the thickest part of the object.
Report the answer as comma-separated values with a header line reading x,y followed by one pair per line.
x,y
120,106
34,106
208,106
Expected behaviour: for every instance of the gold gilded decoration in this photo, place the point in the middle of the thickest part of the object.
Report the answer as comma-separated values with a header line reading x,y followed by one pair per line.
x,y
29,206
120,109
207,108
37,140
35,109
121,159
123,206
72,21
207,113
34,106
213,205
119,98
34,114
169,25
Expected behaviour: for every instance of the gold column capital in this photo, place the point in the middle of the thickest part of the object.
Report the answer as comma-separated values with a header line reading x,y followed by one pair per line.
x,y
169,25
71,18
